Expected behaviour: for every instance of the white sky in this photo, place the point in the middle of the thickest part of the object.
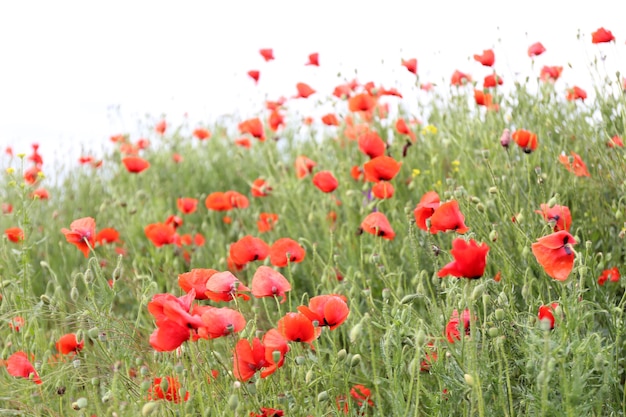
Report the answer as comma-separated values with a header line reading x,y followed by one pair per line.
x,y
64,64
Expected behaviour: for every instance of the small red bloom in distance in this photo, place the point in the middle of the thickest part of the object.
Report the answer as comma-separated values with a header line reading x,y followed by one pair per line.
x,y
371,144
325,181
314,59
218,201
452,328
447,217
82,234
18,365
611,275
492,81
296,327
304,90
160,234
602,36
459,78
327,310
135,164
330,119
69,344
403,129
377,224
560,215
304,166
361,102
187,205
411,65
576,93
555,254
248,249
615,141
266,222
268,412
254,127
14,234
267,54
254,74
202,133
267,282
260,188
487,58
248,359
525,140
160,127
381,168
547,313
536,49
574,165
550,73
285,251
361,395
383,190
425,209
469,262
171,393
40,193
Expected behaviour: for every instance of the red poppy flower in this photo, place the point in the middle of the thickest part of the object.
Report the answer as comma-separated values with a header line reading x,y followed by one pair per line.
x,y
171,393
296,327
330,119
547,313
218,201
266,222
187,205
447,217
377,224
459,78
325,181
7,208
371,144
174,221
469,262
327,310
383,190
304,166
536,49
452,328
202,133
613,142
357,173
254,74
304,90
107,235
14,234
411,65
196,279
248,249
236,199
560,215
381,168
40,193
17,323
260,188
267,282
285,251
243,142
361,102
268,412
361,395
31,175
254,127
574,165
135,164
492,81
219,322
525,140
602,36
267,54
248,359
69,344
550,73
224,286
555,254
576,93
82,234
18,365
403,129
314,59
611,275
160,234
160,127
425,209
275,120
487,58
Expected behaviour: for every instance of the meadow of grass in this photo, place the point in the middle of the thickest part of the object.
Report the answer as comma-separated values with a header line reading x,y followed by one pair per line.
x,y
531,332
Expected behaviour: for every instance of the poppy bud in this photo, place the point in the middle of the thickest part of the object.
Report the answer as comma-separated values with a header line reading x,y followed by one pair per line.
x,y
481,207
493,332
478,291
469,380
322,396
276,356
355,332
341,355
179,369
493,235
145,385
420,337
355,360
45,299
309,376
386,294
88,276
499,314
149,408
81,402
485,154
493,190
475,200
74,294
93,333
233,402
300,360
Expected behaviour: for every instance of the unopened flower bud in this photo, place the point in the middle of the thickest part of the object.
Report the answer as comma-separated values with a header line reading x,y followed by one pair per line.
x,y
149,408
469,380
355,361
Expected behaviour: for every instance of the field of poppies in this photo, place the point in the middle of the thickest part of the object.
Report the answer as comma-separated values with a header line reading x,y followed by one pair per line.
x,y
364,261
